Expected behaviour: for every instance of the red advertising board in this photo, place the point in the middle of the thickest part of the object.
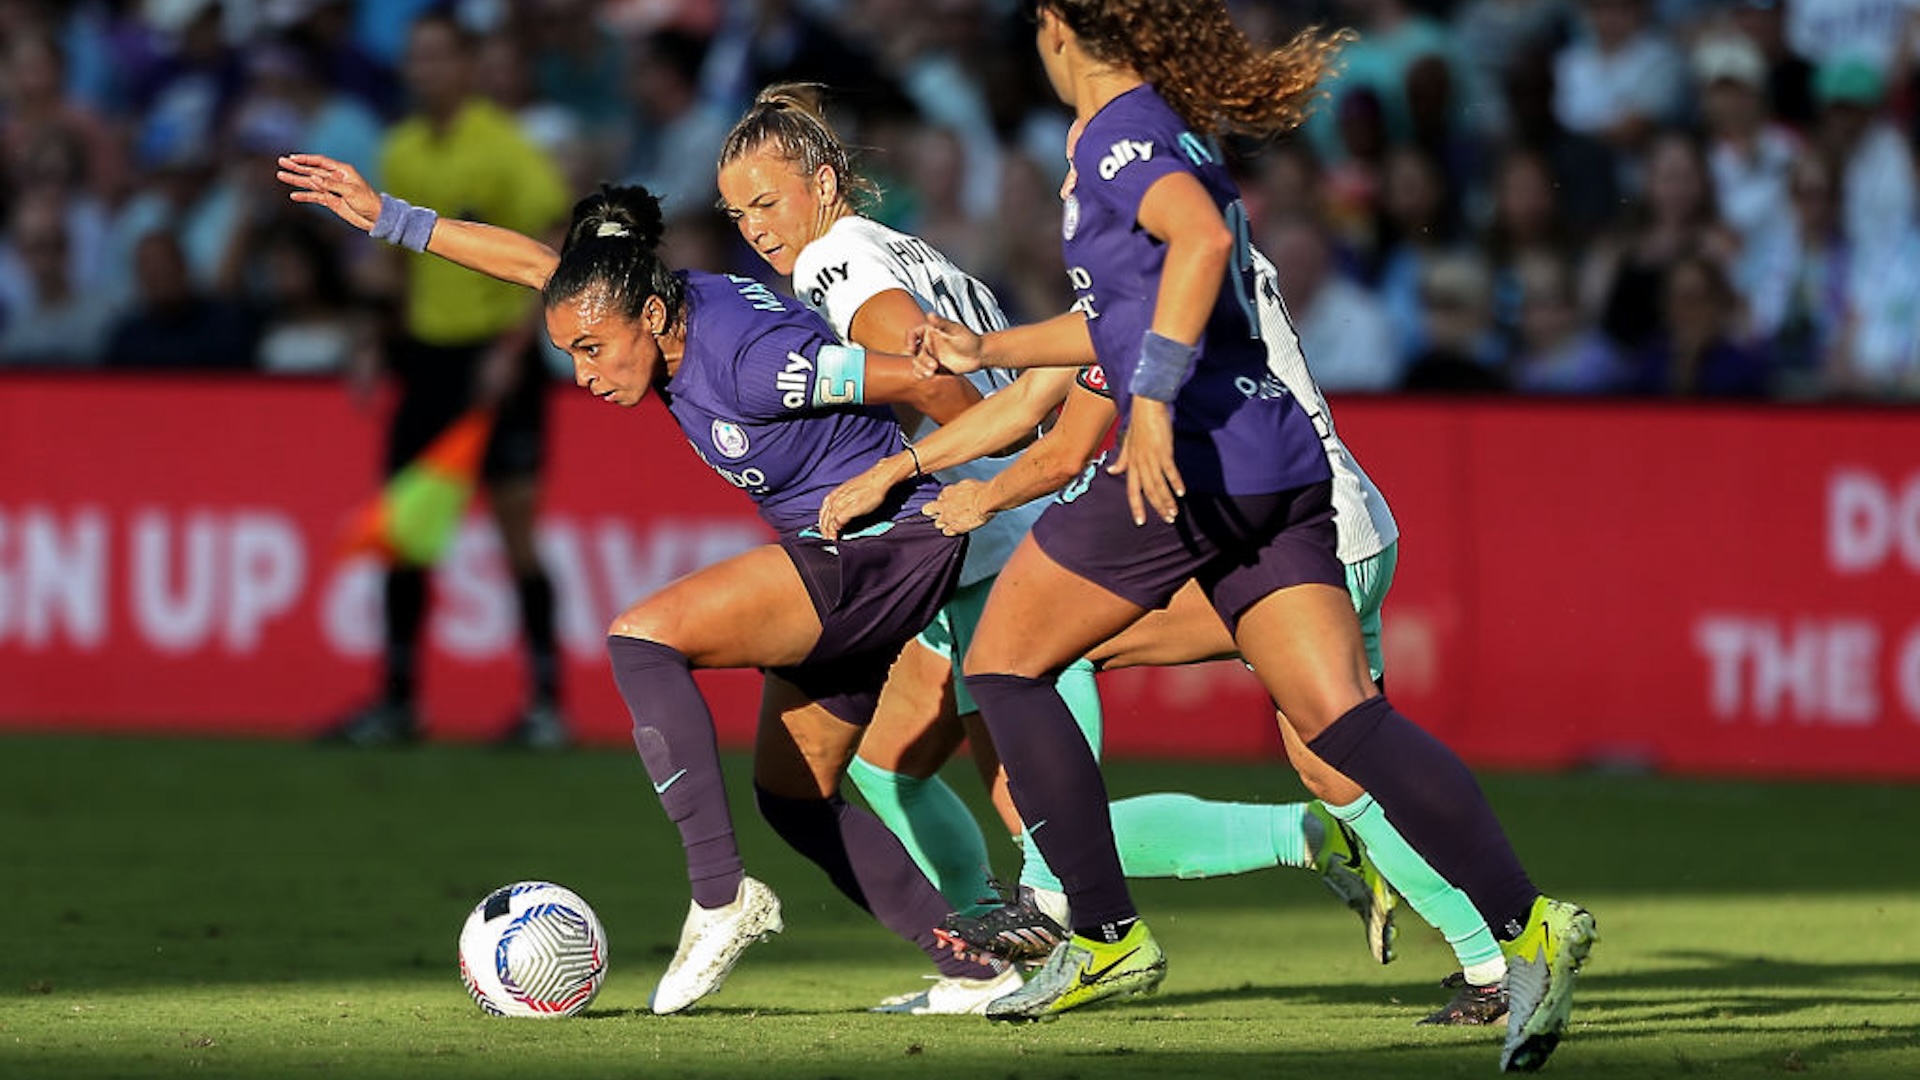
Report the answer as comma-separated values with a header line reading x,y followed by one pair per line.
x,y
1689,588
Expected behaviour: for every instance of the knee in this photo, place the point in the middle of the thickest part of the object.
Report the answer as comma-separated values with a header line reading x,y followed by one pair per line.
x,y
645,621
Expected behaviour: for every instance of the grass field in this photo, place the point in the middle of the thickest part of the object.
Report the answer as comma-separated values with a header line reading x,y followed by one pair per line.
x,y
254,909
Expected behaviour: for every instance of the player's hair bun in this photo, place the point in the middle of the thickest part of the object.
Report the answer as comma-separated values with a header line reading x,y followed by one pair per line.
x,y
624,212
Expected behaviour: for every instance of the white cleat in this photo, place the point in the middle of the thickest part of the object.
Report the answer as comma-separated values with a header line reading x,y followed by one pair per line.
x,y
953,996
711,942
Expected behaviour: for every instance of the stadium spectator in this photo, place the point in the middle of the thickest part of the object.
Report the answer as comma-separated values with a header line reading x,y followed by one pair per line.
x,y
331,122
1342,327
1496,35
310,326
1419,224
1392,36
1622,79
1868,153
1585,170
1526,223
466,342
506,77
1021,255
675,131
1789,81
175,325
1698,352
36,109
1461,351
1623,282
1747,154
50,319
1557,351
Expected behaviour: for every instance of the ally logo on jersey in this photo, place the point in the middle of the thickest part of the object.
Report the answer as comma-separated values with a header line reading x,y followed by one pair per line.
x,y
836,375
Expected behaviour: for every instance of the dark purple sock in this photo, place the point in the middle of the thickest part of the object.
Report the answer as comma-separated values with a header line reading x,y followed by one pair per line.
x,y
674,733
866,862
1056,785
1431,797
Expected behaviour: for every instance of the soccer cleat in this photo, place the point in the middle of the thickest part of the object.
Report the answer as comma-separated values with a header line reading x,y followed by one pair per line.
x,y
1082,971
384,723
953,996
711,942
1472,1006
1543,963
542,727
1017,931
1348,872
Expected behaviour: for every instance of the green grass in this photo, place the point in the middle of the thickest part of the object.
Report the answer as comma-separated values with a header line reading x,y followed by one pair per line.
x,y
254,909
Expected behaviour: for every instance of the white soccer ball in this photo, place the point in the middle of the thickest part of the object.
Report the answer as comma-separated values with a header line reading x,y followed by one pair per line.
x,y
533,948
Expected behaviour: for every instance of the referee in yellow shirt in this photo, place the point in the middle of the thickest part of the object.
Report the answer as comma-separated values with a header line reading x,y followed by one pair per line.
x,y
466,340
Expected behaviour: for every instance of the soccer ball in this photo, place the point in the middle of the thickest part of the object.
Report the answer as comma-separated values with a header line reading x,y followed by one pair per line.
x,y
533,948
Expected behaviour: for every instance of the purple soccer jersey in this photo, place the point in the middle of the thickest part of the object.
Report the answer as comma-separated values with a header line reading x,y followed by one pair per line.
x,y
1237,430
752,398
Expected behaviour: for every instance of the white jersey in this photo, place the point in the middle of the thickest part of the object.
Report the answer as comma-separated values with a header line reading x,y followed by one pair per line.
x,y
857,259
1360,512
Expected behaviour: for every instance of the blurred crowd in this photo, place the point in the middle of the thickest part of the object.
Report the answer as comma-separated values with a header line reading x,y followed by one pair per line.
x,y
1620,197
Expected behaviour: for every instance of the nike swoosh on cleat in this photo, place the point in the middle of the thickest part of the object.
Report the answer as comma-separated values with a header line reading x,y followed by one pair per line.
x,y
661,787
1089,976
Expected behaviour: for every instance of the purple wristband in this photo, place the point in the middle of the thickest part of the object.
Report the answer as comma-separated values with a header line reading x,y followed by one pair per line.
x,y
402,224
1163,368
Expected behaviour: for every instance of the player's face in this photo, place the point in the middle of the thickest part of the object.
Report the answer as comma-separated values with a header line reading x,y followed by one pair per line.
x,y
615,357
778,209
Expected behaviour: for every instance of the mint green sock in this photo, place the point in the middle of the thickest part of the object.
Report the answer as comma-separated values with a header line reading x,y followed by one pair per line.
x,y
1173,835
1434,897
1077,689
936,828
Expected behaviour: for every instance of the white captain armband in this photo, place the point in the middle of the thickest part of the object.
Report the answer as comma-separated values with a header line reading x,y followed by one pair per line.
x,y
840,376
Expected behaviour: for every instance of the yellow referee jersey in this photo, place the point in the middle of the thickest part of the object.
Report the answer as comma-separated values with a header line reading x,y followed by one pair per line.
x,y
480,169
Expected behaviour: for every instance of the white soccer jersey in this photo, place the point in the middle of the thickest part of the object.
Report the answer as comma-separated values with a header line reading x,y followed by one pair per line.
x,y
1366,525
856,260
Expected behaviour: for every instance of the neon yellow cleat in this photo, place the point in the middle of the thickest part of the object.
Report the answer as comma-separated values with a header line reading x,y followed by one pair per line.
x,y
1342,862
1082,971
1542,966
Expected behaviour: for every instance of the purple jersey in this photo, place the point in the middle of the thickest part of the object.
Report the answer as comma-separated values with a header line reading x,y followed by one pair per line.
x,y
752,398
1237,430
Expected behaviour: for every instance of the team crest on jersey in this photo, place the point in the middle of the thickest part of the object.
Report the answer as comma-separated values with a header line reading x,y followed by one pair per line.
x,y
729,439
1070,217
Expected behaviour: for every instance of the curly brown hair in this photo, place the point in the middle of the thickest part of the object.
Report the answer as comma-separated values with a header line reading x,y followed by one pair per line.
x,y
1217,79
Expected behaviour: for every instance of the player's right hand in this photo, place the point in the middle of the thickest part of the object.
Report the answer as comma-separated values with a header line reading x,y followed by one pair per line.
x,y
957,509
336,185
944,345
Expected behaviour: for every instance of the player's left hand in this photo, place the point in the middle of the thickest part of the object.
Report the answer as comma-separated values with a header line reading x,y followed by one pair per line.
x,y
1146,460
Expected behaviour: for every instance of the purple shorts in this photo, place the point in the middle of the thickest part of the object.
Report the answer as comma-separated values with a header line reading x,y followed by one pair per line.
x,y
872,593
1240,548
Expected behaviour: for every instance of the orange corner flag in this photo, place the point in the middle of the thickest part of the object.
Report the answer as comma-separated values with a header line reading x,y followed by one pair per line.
x,y
414,517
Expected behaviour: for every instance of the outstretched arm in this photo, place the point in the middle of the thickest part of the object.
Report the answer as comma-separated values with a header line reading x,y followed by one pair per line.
x,y
1062,341
990,426
1043,468
496,252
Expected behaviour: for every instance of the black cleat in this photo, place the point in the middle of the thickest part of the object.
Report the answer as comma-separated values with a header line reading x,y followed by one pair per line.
x,y
1017,931
381,724
1472,1006
542,727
